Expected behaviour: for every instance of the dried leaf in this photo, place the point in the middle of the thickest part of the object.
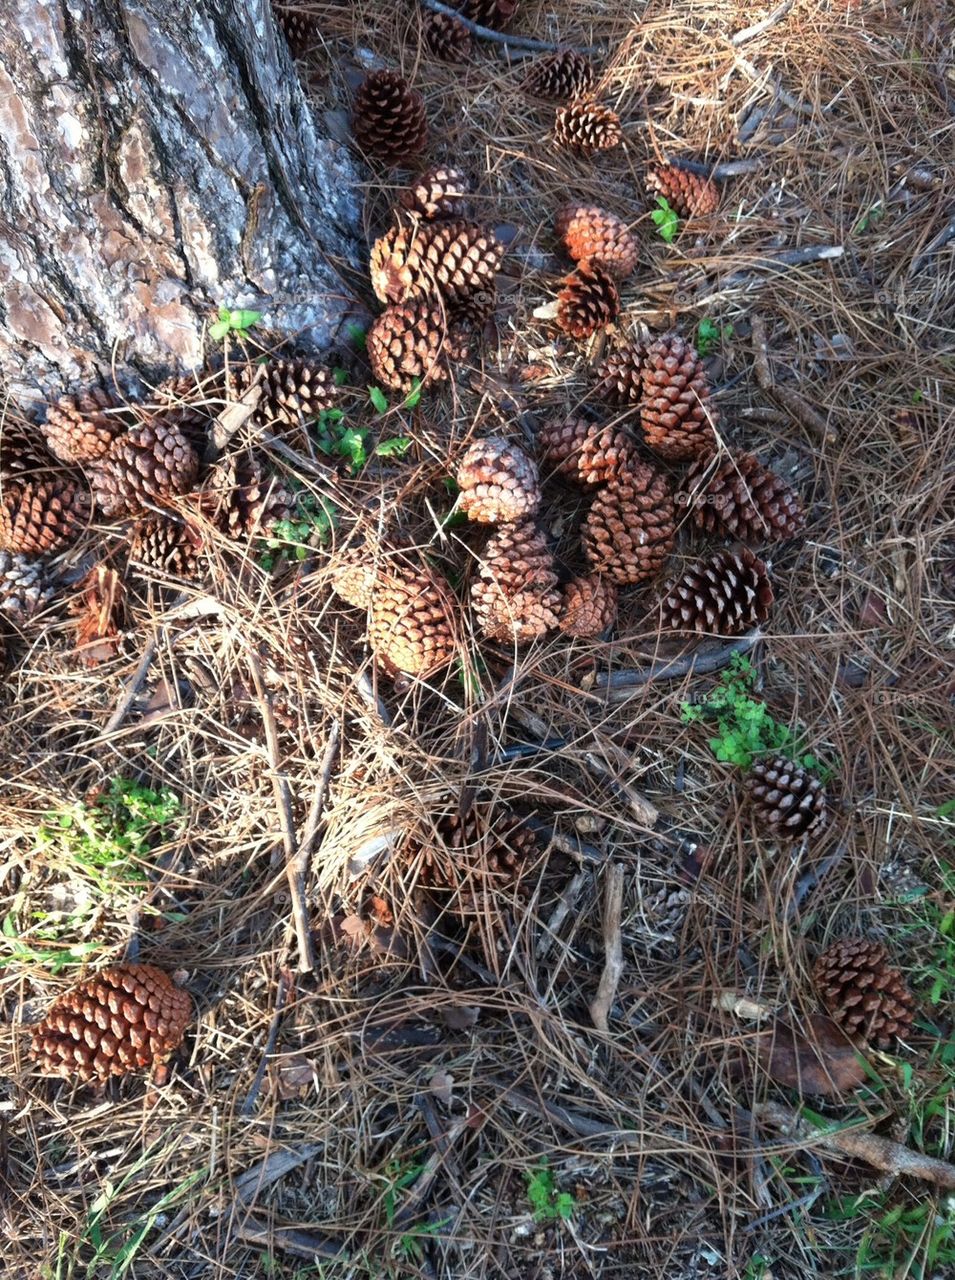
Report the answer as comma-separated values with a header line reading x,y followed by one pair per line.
x,y
294,1077
98,607
818,1058
441,1085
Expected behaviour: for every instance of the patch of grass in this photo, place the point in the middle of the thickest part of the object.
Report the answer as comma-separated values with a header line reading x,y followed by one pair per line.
x,y
914,1239
548,1204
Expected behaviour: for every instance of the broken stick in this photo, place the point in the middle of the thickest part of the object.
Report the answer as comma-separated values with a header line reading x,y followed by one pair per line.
x,y
613,949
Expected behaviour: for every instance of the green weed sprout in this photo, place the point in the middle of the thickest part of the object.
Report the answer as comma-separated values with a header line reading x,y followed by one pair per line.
x,y
547,1203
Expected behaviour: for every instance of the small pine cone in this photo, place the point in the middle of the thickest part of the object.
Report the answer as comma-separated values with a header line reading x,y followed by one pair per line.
x,y
151,463
516,598
243,499
439,192
41,515
585,451
299,28
352,577
587,127
126,1017
589,232
412,626
448,38
588,301
472,314
725,595
455,259
660,914
561,76
498,482
388,118
675,410
81,428
620,377
476,858
737,497
410,342
25,586
787,799
165,546
294,391
23,449
630,528
589,606
688,194
863,993
495,14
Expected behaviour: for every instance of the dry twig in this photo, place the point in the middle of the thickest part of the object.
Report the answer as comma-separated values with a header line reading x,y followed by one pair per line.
x,y
613,949
526,44
757,29
785,397
701,661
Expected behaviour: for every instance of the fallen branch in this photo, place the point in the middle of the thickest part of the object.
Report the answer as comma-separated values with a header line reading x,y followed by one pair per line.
x,y
620,684
566,903
723,169
643,810
525,43
785,397
757,29
318,801
613,949
133,686
280,997
293,1240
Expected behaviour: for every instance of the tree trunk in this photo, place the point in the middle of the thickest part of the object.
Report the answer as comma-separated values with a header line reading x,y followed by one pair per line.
x,y
159,160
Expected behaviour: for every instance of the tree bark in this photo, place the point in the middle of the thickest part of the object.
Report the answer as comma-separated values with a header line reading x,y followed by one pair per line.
x,y
158,160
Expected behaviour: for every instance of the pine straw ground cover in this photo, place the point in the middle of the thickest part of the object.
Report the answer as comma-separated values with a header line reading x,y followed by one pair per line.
x,y
434,1098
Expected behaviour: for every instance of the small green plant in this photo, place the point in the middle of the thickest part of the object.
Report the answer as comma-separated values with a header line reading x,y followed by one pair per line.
x,y
356,335
665,220
871,218
311,525
239,322
911,1238
547,1203
709,335
378,399
409,1245
339,440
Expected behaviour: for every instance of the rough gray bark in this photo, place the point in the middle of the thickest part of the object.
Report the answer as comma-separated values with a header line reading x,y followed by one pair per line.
x,y
157,160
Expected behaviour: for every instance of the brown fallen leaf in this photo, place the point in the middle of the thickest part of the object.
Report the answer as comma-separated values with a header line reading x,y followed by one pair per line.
x,y
817,1058
295,1077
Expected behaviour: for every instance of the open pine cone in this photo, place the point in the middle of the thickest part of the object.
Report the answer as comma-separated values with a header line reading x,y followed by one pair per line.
x,y
388,118
456,259
150,463
620,377
589,606
588,301
629,531
688,194
447,37
412,627
495,14
126,1017
516,598
299,28
81,428
25,586
23,448
676,413
475,859
737,497
498,482
725,595
585,451
411,342
295,390
589,232
440,192
863,993
243,499
788,800
587,127
41,515
166,546
561,76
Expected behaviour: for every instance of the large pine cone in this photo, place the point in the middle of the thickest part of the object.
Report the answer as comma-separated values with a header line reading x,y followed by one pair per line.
x,y
22,448
299,27
81,428
725,595
410,342
787,800
630,528
498,482
863,993
151,463
41,515
588,301
25,586
388,118
737,497
585,451
688,194
495,14
165,546
589,606
589,232
587,127
243,499
516,598
476,858
455,259
620,377
561,76
412,626
294,391
440,192
353,576
447,37
675,409
126,1017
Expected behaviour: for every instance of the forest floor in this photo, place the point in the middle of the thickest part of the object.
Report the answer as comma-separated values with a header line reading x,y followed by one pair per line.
x,y
439,1098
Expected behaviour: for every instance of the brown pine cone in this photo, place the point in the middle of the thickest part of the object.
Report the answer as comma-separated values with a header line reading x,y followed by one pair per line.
x,y
410,343
787,800
41,515
725,595
516,598
587,127
471,315
25,586
687,194
447,38
126,1017
477,858
81,428
299,28
620,377
863,993
630,528
412,627
440,192
561,76
584,451
495,14
676,413
737,497
455,259
243,499
150,463
22,448
352,577
388,118
294,391
589,232
166,546
589,606
498,482
588,301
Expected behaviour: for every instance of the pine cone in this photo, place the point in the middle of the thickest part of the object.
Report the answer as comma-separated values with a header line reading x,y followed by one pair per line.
x,y
294,391
81,428
25,586
150,463
863,993
495,14
243,499
587,127
448,38
455,259
660,914
589,232
630,528
588,301
440,192
22,449
41,515
412,626
498,482
388,118
737,497
675,410
561,76
410,342
725,595
165,546
786,798
352,577
589,606
471,315
126,1017
688,194
585,451
299,28
477,857
516,598
620,377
